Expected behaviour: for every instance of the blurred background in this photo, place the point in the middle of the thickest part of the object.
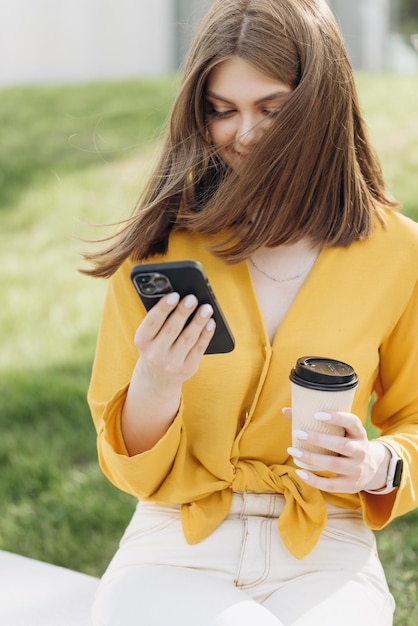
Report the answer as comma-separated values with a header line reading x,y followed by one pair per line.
x,y
44,41
85,89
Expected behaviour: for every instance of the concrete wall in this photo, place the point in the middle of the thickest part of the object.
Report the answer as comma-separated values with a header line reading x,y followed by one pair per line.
x,y
188,14
365,25
43,41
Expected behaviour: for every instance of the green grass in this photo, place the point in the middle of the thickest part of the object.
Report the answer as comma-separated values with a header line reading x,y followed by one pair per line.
x,y
76,155
69,156
389,104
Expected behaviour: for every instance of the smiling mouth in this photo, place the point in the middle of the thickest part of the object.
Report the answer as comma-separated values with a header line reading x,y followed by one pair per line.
x,y
235,155
240,155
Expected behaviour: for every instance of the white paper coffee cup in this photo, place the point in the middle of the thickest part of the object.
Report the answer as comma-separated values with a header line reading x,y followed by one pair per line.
x,y
319,384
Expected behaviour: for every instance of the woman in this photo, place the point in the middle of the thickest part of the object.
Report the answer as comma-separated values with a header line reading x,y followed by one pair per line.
x,y
268,179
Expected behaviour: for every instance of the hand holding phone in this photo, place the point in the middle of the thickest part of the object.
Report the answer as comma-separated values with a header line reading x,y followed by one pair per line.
x,y
155,280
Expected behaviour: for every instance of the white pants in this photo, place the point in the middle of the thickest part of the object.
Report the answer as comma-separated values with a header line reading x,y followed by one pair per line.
x,y
242,574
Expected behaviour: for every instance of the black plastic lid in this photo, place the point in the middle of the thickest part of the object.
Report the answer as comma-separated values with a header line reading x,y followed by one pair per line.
x,y
321,373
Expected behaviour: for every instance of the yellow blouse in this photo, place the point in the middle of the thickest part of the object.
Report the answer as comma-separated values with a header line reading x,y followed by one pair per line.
x,y
358,304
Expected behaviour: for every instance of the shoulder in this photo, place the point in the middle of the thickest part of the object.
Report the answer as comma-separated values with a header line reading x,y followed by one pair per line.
x,y
184,245
387,261
400,228
390,255
395,243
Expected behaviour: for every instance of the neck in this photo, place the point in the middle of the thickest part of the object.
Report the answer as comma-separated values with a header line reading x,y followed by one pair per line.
x,y
287,260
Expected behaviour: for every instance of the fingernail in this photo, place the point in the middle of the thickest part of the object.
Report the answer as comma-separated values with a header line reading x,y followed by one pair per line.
x,y
300,434
210,324
173,298
295,452
189,302
205,310
322,417
302,474
285,409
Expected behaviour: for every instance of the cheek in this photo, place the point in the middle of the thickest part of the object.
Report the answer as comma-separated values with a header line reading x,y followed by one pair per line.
x,y
220,132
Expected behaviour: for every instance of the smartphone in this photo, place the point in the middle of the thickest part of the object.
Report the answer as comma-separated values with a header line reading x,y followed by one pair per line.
x,y
155,280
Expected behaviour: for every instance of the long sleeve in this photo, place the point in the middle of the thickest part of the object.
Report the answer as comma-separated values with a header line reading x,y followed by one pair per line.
x,y
115,360
358,304
395,412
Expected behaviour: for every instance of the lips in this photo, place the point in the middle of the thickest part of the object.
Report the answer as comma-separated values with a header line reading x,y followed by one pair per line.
x,y
234,157
241,155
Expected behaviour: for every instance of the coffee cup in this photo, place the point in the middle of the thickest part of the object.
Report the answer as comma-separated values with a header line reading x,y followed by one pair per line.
x,y
319,384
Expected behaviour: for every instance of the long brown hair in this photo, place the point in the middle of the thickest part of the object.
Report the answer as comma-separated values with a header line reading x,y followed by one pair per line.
x,y
313,174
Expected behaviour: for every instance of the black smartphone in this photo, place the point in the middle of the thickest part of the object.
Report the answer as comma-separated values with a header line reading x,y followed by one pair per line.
x,y
155,280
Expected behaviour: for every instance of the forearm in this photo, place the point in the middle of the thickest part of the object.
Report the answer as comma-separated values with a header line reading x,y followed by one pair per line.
x,y
171,350
149,410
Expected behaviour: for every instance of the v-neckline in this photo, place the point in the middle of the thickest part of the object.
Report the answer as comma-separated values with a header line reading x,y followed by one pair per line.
x,y
296,303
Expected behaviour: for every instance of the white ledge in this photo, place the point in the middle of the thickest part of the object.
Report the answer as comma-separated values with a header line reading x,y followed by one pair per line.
x,y
34,593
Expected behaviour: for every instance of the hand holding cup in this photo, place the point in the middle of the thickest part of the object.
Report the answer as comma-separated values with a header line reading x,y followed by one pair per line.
x,y
319,384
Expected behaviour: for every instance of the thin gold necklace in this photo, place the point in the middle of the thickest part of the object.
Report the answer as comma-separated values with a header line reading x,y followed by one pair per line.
x,y
282,280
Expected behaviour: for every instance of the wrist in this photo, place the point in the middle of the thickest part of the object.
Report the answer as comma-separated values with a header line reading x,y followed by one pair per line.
x,y
391,468
381,459
157,388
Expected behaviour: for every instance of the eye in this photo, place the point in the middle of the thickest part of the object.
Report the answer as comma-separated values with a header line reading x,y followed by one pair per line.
x,y
219,114
271,112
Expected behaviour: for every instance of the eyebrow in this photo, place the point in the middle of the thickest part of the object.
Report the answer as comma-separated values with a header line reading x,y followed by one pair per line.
x,y
273,96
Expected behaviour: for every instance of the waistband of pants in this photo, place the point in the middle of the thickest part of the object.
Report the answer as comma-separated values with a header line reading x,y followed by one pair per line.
x,y
259,504
266,504
270,504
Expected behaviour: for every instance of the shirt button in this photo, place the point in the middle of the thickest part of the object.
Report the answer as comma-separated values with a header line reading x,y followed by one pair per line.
x,y
234,469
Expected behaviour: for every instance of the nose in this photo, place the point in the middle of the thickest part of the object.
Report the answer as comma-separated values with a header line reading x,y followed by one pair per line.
x,y
249,132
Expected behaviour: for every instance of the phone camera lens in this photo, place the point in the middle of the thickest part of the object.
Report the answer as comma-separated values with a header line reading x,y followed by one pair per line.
x,y
148,290
161,283
153,284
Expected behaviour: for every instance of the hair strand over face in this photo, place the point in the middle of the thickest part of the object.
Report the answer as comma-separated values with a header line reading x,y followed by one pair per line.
x,y
314,174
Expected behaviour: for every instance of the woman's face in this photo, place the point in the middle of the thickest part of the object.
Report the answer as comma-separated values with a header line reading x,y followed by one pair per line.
x,y
241,103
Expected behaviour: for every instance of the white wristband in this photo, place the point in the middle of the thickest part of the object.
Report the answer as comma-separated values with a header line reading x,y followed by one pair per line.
x,y
394,474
